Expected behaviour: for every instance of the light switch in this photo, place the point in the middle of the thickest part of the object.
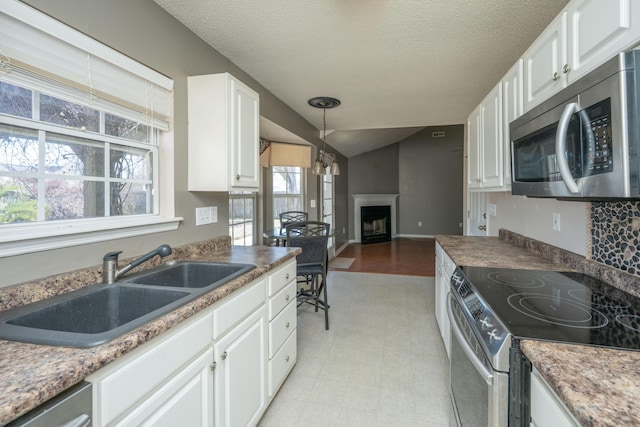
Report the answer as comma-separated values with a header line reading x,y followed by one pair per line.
x,y
213,214
312,203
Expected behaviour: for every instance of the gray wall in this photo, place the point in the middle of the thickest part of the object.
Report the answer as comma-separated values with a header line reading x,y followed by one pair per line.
x,y
145,32
431,185
426,172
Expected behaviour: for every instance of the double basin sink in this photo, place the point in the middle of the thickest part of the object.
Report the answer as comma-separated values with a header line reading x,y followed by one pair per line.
x,y
99,313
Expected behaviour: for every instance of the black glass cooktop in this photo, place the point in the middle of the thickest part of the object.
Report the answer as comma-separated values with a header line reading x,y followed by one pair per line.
x,y
559,306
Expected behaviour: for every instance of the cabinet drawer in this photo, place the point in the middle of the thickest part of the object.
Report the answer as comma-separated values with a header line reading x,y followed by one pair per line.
x,y
280,328
281,277
282,363
122,384
281,299
232,311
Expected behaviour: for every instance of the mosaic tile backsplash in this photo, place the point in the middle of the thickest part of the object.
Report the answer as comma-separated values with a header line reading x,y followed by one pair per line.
x,y
615,235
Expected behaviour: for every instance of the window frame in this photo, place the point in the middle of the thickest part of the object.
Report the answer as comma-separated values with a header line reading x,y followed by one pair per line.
x,y
287,195
243,195
23,238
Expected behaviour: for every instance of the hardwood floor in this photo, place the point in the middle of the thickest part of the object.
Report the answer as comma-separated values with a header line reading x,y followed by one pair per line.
x,y
411,257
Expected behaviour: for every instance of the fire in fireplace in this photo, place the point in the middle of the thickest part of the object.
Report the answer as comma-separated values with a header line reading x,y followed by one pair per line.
x,y
375,222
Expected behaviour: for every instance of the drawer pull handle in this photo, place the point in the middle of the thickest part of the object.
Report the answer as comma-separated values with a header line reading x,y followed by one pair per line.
x,y
287,276
286,359
224,356
286,325
213,366
286,298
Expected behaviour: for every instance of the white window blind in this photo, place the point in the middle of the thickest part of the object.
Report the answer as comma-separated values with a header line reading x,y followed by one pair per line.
x,y
36,46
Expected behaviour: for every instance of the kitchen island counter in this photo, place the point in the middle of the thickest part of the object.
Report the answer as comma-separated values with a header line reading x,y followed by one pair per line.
x,y
32,374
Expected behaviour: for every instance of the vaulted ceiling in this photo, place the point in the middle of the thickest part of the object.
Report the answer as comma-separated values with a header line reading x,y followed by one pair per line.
x,y
396,65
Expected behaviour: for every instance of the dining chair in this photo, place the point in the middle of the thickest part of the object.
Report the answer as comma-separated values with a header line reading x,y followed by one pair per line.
x,y
289,217
312,238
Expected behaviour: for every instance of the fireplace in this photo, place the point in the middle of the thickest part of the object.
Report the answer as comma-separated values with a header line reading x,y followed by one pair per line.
x,y
375,223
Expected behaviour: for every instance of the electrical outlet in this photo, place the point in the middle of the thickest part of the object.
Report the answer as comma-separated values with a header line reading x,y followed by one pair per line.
x,y
556,221
492,209
203,216
419,223
312,203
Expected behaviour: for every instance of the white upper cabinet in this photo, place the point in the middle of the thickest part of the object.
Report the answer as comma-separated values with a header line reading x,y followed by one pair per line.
x,y
543,63
583,36
484,143
473,149
511,110
597,30
224,134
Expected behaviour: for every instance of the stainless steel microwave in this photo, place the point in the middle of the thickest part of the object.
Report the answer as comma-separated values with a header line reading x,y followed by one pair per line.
x,y
583,142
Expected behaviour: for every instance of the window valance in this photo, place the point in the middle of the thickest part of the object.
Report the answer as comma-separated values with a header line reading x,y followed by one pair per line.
x,y
282,154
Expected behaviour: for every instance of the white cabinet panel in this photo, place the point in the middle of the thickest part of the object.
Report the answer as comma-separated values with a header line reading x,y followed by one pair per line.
x,y
238,307
185,400
474,159
598,30
491,137
240,373
546,407
282,363
223,134
543,63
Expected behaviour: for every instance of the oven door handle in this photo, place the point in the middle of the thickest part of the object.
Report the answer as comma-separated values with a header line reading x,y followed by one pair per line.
x,y
486,375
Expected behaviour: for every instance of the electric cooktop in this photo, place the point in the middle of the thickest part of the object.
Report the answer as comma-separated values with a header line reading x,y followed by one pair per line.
x,y
557,306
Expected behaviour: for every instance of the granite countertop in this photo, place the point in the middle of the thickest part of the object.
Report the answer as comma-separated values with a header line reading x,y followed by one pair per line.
x,y
31,374
599,385
493,252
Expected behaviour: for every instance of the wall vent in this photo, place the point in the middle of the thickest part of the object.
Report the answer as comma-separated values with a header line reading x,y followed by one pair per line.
x,y
438,134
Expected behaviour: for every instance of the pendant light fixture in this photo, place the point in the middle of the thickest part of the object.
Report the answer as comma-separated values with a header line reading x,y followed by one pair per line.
x,y
324,159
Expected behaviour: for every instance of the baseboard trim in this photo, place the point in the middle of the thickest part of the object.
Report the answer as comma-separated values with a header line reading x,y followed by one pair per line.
x,y
417,236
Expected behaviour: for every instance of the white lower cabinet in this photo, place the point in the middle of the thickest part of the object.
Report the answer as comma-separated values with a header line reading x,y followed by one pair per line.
x,y
184,400
546,407
240,373
444,270
216,369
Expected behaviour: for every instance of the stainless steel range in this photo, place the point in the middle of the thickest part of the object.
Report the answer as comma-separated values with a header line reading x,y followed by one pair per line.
x,y
491,309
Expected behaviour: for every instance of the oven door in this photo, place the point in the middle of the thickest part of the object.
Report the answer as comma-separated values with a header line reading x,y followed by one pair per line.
x,y
478,393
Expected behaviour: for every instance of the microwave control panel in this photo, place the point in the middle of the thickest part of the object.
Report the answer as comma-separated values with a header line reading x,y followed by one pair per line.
x,y
599,157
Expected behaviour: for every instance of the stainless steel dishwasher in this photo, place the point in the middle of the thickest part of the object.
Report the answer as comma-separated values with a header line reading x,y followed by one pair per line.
x,y
71,408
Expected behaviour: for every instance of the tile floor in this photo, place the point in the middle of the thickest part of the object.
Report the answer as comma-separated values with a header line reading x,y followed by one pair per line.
x,y
382,363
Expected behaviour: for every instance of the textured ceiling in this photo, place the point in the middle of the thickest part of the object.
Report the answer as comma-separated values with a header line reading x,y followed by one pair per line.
x,y
396,65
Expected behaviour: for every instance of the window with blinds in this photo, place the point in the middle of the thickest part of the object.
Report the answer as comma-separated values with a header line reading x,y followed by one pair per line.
x,y
80,131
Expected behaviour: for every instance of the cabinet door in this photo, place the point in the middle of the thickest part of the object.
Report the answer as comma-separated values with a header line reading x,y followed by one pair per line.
x,y
491,138
473,150
543,63
598,30
185,400
511,110
240,373
244,152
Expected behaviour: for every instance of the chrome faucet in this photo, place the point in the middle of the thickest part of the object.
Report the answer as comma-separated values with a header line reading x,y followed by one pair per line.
x,y
110,272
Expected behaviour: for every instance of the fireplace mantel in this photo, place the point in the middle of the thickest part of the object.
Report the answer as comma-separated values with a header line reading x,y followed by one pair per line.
x,y
360,200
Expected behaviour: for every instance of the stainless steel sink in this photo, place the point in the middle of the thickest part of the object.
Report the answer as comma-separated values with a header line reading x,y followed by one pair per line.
x,y
191,274
97,314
